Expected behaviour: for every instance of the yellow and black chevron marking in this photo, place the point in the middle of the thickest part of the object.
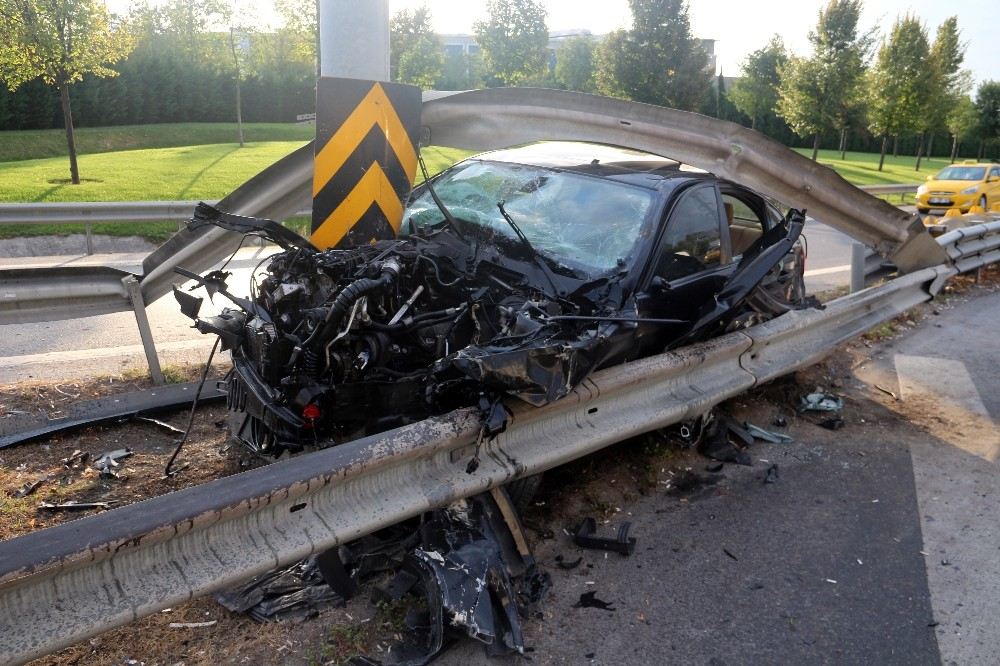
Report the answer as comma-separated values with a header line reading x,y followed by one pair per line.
x,y
366,159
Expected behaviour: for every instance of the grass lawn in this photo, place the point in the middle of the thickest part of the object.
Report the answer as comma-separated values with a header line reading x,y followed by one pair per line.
x,y
34,144
185,173
862,168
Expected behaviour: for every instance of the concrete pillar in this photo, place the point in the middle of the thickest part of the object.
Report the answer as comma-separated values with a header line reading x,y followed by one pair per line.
x,y
354,39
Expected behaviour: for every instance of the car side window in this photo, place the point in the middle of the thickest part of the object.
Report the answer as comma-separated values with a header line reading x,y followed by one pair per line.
x,y
995,172
693,238
745,226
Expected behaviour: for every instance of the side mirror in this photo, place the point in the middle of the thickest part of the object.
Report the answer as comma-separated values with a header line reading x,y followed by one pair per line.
x,y
659,285
930,177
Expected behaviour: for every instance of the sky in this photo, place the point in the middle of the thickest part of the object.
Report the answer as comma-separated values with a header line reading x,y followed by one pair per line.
x,y
742,26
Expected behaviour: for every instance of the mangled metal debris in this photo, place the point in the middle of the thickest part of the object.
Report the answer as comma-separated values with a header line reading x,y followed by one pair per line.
x,y
108,463
462,571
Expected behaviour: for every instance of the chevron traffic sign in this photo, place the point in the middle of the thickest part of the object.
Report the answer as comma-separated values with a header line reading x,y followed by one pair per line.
x,y
367,134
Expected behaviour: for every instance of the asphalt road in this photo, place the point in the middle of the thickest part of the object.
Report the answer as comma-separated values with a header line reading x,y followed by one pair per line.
x,y
878,544
110,343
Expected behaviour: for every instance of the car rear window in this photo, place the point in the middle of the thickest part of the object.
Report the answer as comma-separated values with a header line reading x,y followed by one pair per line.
x,y
962,173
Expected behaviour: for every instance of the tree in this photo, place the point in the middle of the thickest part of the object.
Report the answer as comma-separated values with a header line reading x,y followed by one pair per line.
x,y
823,92
300,22
900,83
514,40
755,93
575,64
658,61
415,55
961,120
988,109
950,83
59,41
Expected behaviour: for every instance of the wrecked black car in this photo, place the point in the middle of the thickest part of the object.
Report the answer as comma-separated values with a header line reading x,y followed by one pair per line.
x,y
516,272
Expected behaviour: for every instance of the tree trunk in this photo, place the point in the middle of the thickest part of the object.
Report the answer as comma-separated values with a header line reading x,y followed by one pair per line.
x,y
982,148
74,170
753,123
920,150
895,146
843,143
815,146
239,105
954,147
881,157
930,145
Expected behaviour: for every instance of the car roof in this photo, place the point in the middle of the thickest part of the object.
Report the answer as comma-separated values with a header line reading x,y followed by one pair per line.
x,y
614,162
970,163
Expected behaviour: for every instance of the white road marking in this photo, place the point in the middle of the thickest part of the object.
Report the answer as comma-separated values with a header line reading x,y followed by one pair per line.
x,y
846,268
954,410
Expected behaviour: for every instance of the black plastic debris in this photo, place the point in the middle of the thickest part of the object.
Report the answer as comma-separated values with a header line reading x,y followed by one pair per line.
x,y
76,460
23,428
725,440
772,474
568,566
779,422
686,483
622,544
590,600
834,423
714,468
292,594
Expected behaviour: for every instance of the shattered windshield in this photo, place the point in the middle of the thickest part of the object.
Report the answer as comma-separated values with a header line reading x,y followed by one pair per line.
x,y
585,222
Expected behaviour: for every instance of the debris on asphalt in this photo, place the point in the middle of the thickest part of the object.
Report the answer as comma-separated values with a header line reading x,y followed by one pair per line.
x,y
467,568
820,402
75,506
292,594
887,392
726,551
714,467
108,463
779,422
622,544
716,441
767,435
192,625
568,566
772,474
590,600
835,423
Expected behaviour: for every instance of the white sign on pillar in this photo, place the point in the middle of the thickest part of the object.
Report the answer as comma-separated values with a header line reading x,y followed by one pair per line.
x,y
354,39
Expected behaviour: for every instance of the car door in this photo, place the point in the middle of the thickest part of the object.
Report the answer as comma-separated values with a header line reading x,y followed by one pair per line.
x,y
690,264
993,186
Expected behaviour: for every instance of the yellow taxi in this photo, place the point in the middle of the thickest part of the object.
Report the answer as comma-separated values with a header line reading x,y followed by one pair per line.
x,y
961,186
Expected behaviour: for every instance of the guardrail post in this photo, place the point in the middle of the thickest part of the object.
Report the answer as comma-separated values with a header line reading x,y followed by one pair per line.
x,y
145,332
90,240
857,267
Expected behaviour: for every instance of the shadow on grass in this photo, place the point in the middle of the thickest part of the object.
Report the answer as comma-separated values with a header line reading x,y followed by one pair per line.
x,y
196,177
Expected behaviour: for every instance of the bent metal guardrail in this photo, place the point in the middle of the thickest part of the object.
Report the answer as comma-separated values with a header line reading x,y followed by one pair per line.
x,y
66,583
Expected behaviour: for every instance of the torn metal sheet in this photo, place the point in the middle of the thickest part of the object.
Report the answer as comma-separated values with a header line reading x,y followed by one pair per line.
x,y
21,428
